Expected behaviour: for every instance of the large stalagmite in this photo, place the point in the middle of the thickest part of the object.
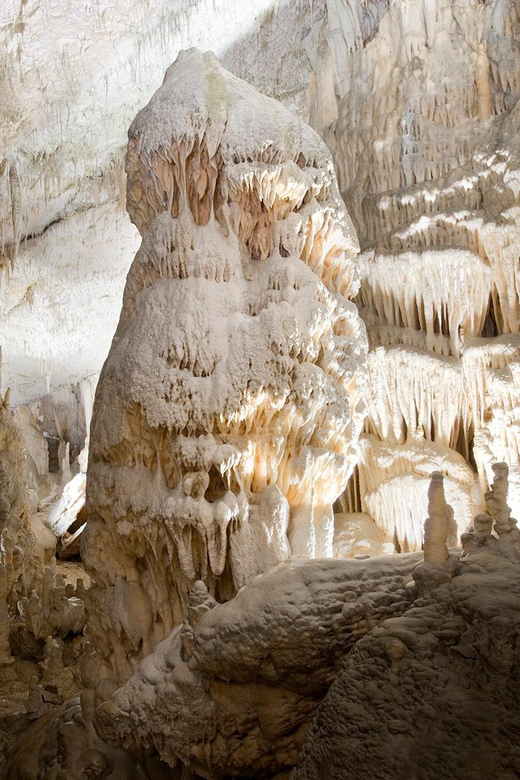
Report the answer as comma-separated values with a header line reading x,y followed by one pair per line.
x,y
228,411
230,408
417,101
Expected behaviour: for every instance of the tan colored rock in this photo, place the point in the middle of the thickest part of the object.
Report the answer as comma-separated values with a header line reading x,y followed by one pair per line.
x,y
432,693
496,501
437,524
358,534
20,563
232,693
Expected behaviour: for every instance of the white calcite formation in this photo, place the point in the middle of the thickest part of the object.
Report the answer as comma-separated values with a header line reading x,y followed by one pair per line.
x,y
232,400
391,482
65,517
417,101
358,534
73,77
228,411
423,125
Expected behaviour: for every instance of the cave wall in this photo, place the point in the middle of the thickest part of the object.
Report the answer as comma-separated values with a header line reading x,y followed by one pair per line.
x,y
417,102
425,144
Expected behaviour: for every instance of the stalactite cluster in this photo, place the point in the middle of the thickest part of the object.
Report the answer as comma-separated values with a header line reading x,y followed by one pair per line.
x,y
426,149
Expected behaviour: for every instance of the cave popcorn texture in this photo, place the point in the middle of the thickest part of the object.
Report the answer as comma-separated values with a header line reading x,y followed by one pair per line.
x,y
228,411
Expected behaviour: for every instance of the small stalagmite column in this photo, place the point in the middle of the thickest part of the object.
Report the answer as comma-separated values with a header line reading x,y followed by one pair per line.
x,y
483,84
436,525
478,536
436,567
496,500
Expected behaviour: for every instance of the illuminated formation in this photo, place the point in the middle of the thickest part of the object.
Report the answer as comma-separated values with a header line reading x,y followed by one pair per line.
x,y
249,437
424,133
228,410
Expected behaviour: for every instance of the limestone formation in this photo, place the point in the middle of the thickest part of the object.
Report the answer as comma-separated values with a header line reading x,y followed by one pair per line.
x,y
66,517
19,561
417,102
37,611
420,657
228,410
228,422
438,683
424,133
437,524
358,534
434,692
496,502
232,692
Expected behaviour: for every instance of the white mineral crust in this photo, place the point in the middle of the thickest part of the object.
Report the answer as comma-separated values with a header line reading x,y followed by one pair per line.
x,y
228,411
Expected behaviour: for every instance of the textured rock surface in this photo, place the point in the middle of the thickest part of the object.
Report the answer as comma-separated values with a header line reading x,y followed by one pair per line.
x,y
37,610
19,565
434,693
73,77
228,410
358,534
231,693
428,681
56,747
417,100
425,144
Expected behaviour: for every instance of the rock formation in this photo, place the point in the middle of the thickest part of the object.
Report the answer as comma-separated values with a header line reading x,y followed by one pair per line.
x,y
21,569
433,693
228,411
40,617
424,134
231,692
420,656
417,102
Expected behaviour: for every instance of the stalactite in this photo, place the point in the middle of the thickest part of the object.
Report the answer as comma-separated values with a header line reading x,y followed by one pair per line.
x,y
482,80
16,208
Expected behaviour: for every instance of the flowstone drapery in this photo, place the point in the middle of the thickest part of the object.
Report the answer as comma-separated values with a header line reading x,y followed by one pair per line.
x,y
232,692
419,657
228,410
423,128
